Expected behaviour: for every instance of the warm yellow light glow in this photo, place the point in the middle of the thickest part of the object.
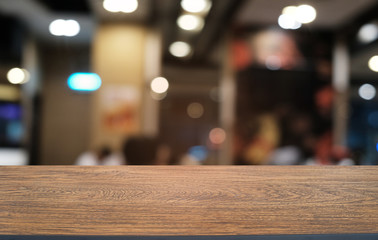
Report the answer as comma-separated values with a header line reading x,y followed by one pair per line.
x,y
190,22
305,13
290,10
18,76
196,6
126,6
373,63
180,49
9,93
217,136
195,110
159,85
68,28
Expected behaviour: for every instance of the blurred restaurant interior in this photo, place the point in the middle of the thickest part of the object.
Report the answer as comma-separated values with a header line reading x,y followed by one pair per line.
x,y
199,82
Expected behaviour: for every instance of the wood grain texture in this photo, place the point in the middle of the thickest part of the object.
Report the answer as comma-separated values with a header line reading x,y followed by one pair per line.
x,y
188,200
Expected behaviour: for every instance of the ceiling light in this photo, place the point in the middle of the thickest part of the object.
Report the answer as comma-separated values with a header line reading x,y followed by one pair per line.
x,y
367,91
305,14
68,28
190,22
126,6
368,33
290,10
159,85
180,49
72,28
56,27
18,76
195,6
287,21
373,63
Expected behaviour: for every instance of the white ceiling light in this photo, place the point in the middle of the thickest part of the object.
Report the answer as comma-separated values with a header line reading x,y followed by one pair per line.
x,y
68,28
368,33
72,28
367,91
373,63
18,76
126,6
287,21
305,14
56,27
293,17
190,22
180,49
195,6
159,85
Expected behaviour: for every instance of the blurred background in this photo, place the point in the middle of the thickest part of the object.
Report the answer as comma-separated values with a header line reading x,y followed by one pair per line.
x,y
111,82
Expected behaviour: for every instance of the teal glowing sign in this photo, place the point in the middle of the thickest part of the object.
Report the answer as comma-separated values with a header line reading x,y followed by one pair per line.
x,y
84,81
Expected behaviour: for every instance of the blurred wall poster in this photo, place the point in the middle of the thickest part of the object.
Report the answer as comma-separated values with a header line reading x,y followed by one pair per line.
x,y
120,109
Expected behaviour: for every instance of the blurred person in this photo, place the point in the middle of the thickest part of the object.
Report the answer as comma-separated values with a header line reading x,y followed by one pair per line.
x,y
188,159
262,140
341,156
102,156
140,150
287,155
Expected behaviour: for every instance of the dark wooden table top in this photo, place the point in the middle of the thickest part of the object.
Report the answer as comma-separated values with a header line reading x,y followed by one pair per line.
x,y
188,200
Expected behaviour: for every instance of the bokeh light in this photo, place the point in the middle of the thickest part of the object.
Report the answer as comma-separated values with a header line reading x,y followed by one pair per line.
x,y
159,85
72,28
198,152
367,91
68,28
287,21
373,63
195,6
292,17
195,110
368,33
84,81
190,22
305,13
126,6
18,76
180,49
290,10
57,27
217,136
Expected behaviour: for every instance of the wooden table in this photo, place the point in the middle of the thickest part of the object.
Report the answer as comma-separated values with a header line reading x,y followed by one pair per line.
x,y
188,200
